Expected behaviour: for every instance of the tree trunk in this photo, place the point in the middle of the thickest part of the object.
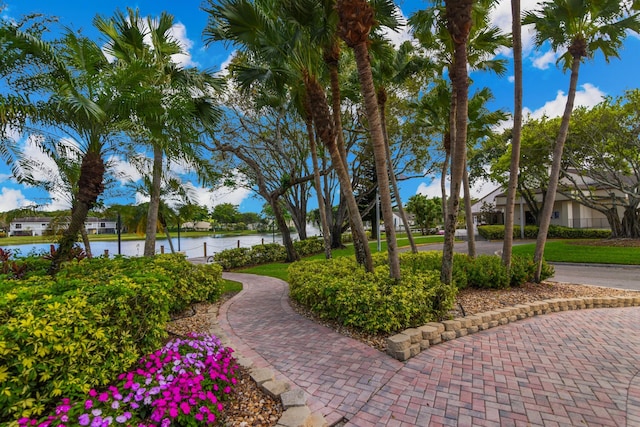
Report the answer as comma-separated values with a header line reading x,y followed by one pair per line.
x,y
326,235
550,197
292,255
459,24
514,169
382,97
154,203
471,234
85,241
614,222
325,129
631,221
361,52
443,173
90,186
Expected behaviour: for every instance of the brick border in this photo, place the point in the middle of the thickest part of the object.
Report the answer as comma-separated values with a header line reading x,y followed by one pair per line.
x,y
412,341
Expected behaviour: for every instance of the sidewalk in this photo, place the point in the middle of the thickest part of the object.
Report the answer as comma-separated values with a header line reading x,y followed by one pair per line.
x,y
565,368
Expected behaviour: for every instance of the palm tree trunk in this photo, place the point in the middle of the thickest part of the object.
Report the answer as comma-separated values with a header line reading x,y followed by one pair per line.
x,y
326,235
361,52
444,171
325,128
514,169
471,235
154,203
382,97
459,24
554,175
90,186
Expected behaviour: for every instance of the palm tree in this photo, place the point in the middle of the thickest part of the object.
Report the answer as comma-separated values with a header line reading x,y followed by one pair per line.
x,y
356,21
395,67
260,30
582,27
72,82
516,136
175,98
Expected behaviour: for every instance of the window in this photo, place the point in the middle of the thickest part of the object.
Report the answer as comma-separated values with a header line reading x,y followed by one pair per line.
x,y
18,226
103,225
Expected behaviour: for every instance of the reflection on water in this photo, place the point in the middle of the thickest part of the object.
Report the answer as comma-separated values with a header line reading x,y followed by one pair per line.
x,y
192,246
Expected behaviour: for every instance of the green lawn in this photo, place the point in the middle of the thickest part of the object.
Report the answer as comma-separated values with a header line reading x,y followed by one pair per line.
x,y
279,269
578,251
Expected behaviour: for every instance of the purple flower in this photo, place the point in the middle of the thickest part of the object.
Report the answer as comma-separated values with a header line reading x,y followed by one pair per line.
x,y
84,420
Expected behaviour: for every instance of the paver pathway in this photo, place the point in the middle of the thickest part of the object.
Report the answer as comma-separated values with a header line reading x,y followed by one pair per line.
x,y
561,369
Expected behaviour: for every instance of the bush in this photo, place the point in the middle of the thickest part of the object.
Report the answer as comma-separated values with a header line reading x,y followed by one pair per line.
x,y
231,259
496,232
64,335
339,289
312,245
182,383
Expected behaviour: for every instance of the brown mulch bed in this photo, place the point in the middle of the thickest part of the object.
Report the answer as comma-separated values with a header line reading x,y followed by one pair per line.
x,y
620,242
251,407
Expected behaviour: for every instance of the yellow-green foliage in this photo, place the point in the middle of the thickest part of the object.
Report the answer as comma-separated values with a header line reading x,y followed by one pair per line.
x,y
61,336
339,289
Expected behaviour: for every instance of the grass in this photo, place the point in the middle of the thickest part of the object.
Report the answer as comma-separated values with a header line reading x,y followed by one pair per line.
x,y
231,286
280,269
578,251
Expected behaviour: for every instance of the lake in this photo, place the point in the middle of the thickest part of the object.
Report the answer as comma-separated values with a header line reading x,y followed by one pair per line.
x,y
193,246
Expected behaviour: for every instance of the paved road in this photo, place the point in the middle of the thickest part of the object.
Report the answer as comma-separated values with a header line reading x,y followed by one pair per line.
x,y
561,369
612,276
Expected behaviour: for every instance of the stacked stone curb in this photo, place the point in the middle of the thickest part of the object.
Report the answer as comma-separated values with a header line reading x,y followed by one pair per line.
x,y
410,342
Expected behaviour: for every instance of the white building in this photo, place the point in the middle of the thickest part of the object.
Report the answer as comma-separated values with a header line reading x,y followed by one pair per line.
x,y
38,226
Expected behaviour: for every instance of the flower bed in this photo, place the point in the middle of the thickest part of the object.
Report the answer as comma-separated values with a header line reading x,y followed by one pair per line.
x,y
184,383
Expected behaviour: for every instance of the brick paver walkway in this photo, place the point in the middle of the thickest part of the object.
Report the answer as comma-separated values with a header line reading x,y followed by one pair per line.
x,y
561,369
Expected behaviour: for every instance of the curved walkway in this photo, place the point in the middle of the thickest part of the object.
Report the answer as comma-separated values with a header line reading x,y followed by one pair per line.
x,y
565,368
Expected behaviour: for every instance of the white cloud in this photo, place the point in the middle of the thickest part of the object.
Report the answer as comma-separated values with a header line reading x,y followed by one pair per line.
x,y
501,18
402,34
511,79
224,67
179,32
432,189
123,170
588,96
13,199
543,61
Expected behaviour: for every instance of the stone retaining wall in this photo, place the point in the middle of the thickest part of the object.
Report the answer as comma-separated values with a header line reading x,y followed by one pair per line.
x,y
412,341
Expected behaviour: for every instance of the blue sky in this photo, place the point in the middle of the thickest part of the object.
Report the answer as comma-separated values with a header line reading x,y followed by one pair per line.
x,y
545,85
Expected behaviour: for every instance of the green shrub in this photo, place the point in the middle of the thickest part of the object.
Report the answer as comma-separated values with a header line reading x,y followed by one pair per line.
x,y
339,289
496,232
64,335
231,259
312,245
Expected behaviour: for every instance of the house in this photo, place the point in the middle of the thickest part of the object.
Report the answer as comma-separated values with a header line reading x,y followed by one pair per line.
x,y
39,226
398,223
566,211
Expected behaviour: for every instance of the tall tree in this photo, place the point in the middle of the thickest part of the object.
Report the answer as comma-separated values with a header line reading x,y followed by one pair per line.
x,y
512,188
356,21
66,87
584,27
259,29
176,104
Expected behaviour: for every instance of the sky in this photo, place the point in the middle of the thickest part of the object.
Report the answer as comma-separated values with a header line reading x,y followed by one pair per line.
x,y
545,84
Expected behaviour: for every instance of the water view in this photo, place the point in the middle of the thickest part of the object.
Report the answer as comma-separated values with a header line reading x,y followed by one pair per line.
x,y
192,246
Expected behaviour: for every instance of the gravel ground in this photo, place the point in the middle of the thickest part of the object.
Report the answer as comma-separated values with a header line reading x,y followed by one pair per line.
x,y
251,407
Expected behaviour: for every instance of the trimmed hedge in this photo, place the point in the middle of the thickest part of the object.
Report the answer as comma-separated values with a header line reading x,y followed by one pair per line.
x,y
496,232
339,289
62,336
231,259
